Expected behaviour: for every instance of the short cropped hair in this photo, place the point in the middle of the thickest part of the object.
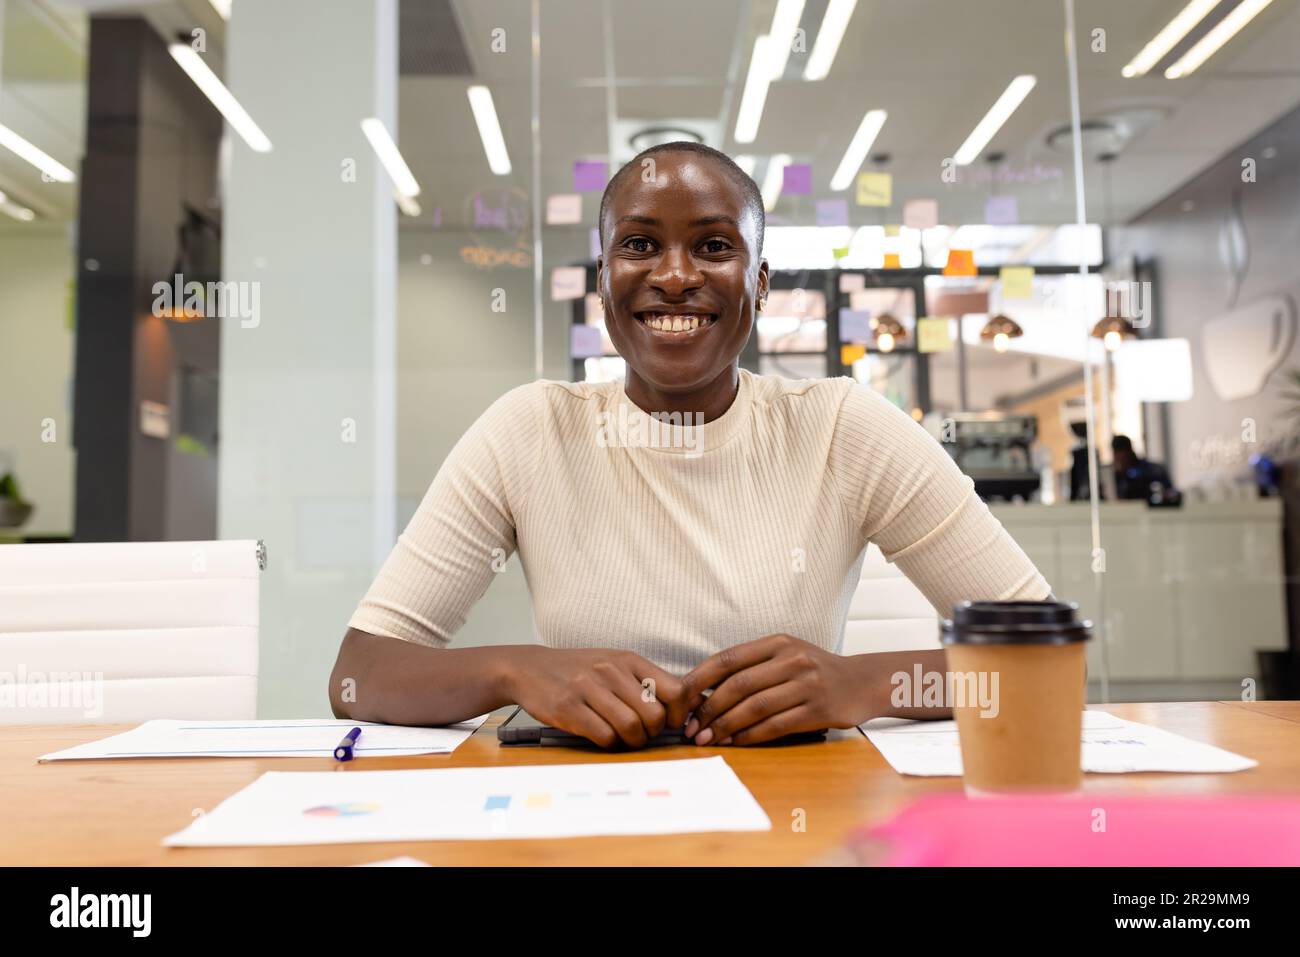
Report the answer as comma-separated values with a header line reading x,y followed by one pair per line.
x,y
753,197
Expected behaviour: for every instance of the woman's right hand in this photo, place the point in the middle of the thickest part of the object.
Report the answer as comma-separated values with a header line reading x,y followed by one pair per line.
x,y
608,696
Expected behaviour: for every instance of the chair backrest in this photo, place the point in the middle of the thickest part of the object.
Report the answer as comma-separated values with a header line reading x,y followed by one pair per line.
x,y
125,632
888,612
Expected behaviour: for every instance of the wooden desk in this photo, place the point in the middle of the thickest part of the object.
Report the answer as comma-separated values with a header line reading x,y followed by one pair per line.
x,y
117,812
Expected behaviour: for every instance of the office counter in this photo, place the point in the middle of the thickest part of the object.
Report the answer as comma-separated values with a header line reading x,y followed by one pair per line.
x,y
1191,594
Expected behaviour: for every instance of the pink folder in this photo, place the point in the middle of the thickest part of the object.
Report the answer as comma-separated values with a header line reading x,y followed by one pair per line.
x,y
1092,830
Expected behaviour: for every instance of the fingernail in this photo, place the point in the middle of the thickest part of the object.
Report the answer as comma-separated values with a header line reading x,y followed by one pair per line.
x,y
705,736
726,740
691,727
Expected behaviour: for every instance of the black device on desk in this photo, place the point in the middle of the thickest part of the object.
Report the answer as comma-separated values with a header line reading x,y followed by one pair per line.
x,y
522,728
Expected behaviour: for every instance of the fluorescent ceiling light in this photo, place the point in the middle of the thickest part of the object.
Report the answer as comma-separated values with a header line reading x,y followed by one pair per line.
x,y
998,114
755,92
10,208
785,25
406,204
1219,34
221,98
222,7
382,143
489,129
1166,39
868,129
828,39
774,180
43,161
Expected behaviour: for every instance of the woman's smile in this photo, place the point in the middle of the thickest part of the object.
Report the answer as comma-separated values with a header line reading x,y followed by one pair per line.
x,y
672,325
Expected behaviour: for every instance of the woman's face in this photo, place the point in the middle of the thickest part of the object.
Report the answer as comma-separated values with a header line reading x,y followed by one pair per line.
x,y
679,251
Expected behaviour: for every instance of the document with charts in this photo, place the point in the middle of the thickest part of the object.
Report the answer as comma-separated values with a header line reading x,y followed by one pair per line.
x,y
564,800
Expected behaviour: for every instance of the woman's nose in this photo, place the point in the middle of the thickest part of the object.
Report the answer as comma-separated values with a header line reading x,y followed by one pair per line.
x,y
675,272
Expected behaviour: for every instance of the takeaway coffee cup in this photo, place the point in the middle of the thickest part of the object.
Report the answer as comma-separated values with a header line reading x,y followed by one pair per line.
x,y
1022,732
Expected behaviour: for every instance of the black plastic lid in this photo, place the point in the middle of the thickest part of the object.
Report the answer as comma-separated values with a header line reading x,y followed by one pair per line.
x,y
1015,623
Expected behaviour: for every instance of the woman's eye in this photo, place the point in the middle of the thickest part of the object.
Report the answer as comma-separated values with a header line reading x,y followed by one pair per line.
x,y
638,244
716,246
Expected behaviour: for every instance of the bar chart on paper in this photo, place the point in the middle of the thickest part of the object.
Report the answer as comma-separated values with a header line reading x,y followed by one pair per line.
x,y
570,800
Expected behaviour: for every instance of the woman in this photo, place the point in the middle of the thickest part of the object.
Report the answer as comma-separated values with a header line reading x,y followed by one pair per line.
x,y
714,548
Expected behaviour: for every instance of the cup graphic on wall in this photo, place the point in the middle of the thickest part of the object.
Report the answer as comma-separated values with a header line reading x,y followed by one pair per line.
x,y
1243,347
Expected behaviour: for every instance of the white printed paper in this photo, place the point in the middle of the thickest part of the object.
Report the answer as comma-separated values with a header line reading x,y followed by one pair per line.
x,y
566,800
1111,745
296,738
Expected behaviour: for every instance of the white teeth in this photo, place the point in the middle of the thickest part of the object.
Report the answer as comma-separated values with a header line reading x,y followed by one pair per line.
x,y
666,323
677,324
692,322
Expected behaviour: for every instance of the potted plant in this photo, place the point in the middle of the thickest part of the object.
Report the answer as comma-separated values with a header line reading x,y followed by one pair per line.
x,y
14,509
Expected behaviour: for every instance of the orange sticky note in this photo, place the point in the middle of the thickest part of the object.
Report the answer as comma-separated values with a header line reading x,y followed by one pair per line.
x,y
851,354
961,262
891,261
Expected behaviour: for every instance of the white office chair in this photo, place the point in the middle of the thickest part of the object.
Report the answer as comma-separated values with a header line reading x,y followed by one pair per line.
x,y
125,632
888,612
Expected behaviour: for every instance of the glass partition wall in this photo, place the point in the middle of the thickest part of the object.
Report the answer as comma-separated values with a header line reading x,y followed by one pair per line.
x,y
1060,239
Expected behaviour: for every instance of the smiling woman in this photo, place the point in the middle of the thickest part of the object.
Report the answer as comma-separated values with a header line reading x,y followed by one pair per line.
x,y
700,579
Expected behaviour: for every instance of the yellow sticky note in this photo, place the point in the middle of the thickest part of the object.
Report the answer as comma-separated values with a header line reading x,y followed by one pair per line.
x,y
933,334
961,262
851,354
893,229
1017,282
891,261
839,252
875,189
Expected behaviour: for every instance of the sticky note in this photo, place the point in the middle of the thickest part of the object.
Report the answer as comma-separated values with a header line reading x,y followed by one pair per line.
x,y
855,325
568,282
860,299
893,229
921,213
1017,282
961,262
891,261
1001,211
839,252
594,243
584,341
875,189
852,281
933,334
541,799
563,209
797,179
851,354
832,212
497,802
590,176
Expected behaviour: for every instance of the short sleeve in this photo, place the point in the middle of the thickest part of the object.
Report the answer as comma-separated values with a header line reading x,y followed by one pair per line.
x,y
904,492
464,529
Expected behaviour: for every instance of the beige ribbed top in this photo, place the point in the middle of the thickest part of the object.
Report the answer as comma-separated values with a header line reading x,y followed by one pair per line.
x,y
677,540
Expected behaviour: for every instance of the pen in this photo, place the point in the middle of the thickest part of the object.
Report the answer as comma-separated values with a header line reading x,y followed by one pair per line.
x,y
344,751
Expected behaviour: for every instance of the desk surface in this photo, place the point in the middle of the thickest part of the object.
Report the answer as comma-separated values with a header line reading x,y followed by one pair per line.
x,y
117,812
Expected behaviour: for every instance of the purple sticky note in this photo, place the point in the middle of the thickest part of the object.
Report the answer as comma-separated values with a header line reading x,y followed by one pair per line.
x,y
589,176
584,341
1001,211
832,212
855,325
798,179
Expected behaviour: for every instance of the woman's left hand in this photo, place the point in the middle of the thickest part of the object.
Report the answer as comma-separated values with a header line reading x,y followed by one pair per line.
x,y
774,686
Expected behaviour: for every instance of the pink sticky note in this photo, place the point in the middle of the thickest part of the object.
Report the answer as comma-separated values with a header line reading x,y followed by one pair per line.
x,y
921,213
855,325
832,212
1001,211
568,282
584,341
589,176
797,179
563,209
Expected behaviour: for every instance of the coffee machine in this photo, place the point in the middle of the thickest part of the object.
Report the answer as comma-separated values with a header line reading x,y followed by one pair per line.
x,y
995,450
